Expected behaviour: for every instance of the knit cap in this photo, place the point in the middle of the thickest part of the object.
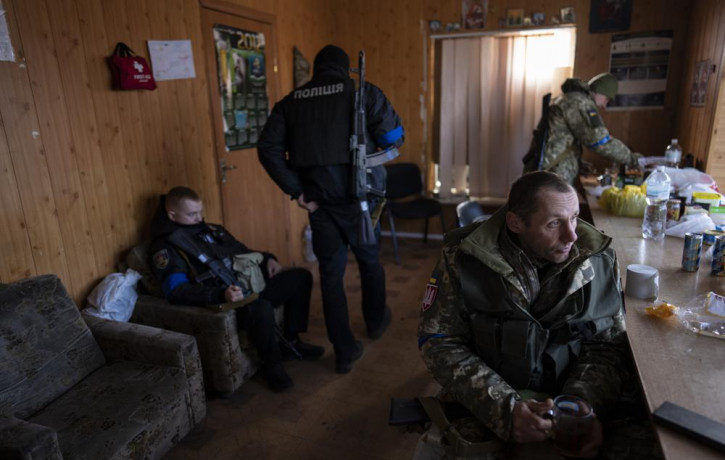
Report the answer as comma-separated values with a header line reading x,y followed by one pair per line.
x,y
604,83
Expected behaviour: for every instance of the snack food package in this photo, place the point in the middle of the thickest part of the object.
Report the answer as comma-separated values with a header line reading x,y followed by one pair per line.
x,y
629,201
705,314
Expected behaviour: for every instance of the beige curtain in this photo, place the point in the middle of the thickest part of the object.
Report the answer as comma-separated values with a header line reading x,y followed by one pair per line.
x,y
491,92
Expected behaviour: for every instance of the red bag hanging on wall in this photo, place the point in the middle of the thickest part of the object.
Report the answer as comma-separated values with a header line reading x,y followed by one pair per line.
x,y
130,71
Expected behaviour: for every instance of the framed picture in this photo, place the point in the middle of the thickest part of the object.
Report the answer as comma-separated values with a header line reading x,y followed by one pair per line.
x,y
474,13
567,15
434,25
609,15
699,83
515,17
538,19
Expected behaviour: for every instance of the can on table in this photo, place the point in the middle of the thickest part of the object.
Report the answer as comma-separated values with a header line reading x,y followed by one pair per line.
x,y
691,252
708,236
718,256
673,210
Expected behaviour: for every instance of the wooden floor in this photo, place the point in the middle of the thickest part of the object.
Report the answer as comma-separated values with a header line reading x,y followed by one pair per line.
x,y
326,415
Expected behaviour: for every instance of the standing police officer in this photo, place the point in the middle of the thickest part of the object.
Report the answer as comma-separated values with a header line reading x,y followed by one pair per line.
x,y
574,122
313,124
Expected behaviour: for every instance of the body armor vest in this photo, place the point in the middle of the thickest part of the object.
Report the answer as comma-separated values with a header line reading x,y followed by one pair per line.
x,y
320,122
526,352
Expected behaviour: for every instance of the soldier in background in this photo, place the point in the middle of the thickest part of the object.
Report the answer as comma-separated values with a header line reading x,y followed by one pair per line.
x,y
574,122
524,307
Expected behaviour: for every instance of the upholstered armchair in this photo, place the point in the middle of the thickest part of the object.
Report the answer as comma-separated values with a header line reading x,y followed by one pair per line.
x,y
76,386
227,358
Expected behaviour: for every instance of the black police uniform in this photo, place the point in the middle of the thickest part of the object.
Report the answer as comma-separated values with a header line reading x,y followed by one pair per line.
x,y
313,123
179,277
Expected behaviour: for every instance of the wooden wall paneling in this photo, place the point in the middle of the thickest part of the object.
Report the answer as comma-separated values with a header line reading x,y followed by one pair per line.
x,y
17,255
715,153
183,92
414,84
700,50
153,156
83,128
203,127
716,157
713,85
705,40
25,144
97,45
49,98
177,105
119,19
394,38
160,20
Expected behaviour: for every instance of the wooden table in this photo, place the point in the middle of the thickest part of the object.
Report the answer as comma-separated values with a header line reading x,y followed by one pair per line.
x,y
673,363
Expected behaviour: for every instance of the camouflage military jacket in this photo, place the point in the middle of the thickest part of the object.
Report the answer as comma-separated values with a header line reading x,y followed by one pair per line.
x,y
574,122
452,339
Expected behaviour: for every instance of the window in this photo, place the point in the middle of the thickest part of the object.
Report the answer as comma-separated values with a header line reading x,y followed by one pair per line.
x,y
489,89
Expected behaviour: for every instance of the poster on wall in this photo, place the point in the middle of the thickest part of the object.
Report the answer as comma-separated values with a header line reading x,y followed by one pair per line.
x,y
640,62
242,85
609,15
699,83
474,13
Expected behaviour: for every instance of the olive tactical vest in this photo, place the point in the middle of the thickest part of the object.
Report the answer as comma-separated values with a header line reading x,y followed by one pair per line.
x,y
531,353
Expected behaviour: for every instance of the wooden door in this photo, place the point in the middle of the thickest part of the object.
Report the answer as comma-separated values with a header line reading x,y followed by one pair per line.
x,y
255,210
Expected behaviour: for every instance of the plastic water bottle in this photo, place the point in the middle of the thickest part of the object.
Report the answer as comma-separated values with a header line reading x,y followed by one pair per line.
x,y
655,213
307,244
673,154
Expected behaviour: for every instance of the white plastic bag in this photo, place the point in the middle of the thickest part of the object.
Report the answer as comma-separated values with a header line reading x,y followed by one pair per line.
x,y
681,178
693,223
115,296
705,314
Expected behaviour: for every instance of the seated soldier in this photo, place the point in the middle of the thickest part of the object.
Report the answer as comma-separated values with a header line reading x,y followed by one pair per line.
x,y
527,306
180,235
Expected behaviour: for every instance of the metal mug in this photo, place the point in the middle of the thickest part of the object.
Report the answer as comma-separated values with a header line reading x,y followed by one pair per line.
x,y
572,423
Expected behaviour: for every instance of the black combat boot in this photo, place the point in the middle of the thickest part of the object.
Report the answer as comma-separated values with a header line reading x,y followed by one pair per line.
x,y
276,377
298,349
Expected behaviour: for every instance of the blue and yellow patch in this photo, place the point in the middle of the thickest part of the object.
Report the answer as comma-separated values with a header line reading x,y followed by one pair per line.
x,y
595,121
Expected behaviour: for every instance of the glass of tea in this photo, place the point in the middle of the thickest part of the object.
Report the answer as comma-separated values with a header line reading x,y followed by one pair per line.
x,y
573,420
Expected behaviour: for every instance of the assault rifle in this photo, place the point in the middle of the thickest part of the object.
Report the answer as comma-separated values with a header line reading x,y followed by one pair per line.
x,y
534,158
186,243
358,147
361,161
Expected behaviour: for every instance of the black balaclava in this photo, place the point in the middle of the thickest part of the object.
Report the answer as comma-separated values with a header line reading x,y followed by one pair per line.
x,y
332,57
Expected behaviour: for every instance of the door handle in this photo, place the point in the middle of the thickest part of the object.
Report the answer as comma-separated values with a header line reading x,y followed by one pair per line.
x,y
224,167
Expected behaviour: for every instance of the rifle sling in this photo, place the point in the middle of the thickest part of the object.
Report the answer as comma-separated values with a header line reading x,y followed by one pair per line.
x,y
194,275
556,161
188,246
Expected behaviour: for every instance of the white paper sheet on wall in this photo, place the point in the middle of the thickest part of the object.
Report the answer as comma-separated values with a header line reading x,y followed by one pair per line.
x,y
6,47
171,59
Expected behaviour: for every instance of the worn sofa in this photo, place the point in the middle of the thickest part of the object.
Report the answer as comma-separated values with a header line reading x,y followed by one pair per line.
x,y
76,386
227,358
